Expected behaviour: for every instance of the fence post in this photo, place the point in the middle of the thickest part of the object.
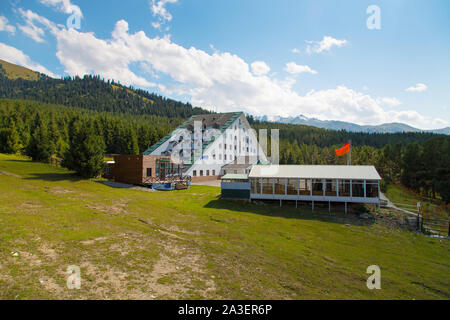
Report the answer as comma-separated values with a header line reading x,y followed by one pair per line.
x,y
419,220
448,229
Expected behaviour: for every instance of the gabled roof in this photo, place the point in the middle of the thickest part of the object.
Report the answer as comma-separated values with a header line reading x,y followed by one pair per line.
x,y
167,137
315,172
220,121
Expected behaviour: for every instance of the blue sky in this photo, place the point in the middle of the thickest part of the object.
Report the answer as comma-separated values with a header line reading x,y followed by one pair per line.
x,y
276,58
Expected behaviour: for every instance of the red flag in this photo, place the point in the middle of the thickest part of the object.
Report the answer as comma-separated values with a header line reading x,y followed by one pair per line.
x,y
343,150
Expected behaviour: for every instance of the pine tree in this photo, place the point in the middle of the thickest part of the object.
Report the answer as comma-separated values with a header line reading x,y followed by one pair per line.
x,y
13,140
132,142
86,151
39,148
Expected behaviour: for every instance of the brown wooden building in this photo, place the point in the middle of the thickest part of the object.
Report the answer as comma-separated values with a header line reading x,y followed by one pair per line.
x,y
143,169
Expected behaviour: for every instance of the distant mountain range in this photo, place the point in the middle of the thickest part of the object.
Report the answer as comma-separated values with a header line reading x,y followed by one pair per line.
x,y
348,126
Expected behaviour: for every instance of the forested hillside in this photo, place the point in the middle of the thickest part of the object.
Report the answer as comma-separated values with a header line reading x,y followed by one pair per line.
x,y
23,123
93,93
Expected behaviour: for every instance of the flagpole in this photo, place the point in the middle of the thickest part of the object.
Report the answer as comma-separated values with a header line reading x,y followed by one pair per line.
x,y
349,158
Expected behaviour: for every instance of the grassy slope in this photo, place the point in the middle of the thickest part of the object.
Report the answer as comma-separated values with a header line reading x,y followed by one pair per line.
x,y
14,71
190,244
429,207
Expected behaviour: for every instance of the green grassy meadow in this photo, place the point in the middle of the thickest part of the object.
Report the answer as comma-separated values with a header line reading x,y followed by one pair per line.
x,y
131,244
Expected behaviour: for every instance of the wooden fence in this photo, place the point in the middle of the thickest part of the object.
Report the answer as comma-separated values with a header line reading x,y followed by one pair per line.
x,y
433,226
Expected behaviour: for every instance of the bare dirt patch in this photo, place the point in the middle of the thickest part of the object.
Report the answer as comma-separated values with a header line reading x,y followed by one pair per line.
x,y
116,209
5,173
59,190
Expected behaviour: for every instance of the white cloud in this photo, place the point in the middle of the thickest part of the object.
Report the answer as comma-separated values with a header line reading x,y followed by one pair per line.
x,y
4,26
295,50
64,6
16,56
221,79
159,10
324,45
260,68
293,68
31,29
393,102
417,88
440,123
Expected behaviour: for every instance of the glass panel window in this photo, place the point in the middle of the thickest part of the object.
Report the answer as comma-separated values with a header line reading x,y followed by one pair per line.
x,y
317,187
149,172
280,186
267,186
372,189
305,187
194,173
292,186
330,188
255,185
358,188
344,188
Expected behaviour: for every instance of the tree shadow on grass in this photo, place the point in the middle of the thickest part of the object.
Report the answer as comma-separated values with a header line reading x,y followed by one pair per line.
x,y
289,211
20,161
115,185
59,176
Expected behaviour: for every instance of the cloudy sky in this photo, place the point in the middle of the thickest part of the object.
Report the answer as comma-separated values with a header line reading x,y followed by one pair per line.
x,y
265,57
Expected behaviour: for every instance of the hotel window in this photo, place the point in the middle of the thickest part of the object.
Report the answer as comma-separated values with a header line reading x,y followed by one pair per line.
x,y
305,187
220,146
358,188
149,172
157,170
225,146
220,157
108,170
201,173
207,173
330,188
224,157
214,172
214,157
194,173
344,188
292,186
317,187
372,189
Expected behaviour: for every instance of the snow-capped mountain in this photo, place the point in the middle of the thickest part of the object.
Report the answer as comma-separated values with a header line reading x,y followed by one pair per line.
x,y
348,126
